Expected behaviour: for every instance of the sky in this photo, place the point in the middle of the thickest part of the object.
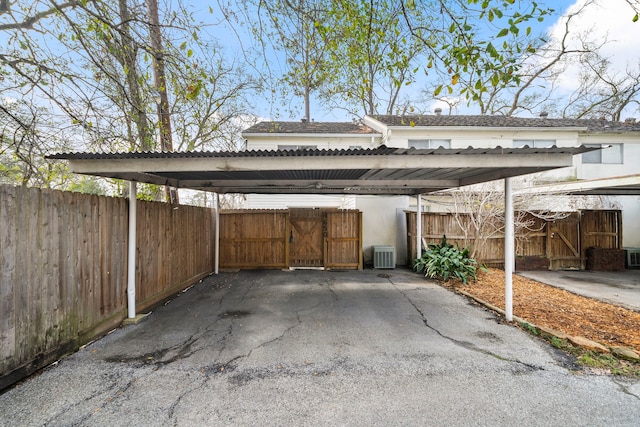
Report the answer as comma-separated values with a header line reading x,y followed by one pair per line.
x,y
606,19
612,20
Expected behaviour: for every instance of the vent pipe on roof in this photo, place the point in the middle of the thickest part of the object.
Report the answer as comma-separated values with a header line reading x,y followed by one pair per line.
x,y
544,114
438,111
303,120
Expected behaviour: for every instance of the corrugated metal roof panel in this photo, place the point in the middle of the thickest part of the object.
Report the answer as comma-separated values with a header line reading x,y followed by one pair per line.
x,y
380,151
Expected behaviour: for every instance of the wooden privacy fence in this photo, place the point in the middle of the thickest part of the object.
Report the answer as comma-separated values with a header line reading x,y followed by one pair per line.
x,y
558,244
63,266
300,238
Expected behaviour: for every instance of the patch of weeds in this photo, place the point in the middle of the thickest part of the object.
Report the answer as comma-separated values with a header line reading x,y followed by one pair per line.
x,y
610,363
530,328
591,359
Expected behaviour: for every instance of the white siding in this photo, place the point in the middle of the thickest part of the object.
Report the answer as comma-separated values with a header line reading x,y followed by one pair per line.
x,y
284,201
380,223
325,142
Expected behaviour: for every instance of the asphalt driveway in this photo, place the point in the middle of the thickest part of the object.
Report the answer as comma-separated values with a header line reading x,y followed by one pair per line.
x,y
320,348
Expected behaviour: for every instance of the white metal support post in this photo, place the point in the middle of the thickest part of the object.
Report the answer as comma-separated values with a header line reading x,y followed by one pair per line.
x,y
131,253
217,228
509,249
419,228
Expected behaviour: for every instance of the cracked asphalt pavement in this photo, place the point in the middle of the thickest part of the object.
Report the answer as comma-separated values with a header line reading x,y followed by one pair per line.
x,y
320,348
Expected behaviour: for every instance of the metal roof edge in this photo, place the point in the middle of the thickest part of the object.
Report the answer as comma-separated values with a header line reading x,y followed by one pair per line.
x,y
316,134
493,128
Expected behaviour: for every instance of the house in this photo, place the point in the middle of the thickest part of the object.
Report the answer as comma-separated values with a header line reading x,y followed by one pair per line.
x,y
382,216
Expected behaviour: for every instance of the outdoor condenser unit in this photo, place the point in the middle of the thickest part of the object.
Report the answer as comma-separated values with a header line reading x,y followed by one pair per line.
x,y
633,257
384,256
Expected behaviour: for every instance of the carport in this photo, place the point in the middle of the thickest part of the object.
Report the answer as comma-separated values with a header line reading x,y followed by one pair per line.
x,y
627,185
380,171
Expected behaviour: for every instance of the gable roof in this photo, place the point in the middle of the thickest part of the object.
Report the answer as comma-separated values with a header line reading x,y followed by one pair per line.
x,y
589,125
320,128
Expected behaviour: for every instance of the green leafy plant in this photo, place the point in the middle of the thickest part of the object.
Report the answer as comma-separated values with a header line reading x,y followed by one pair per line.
x,y
444,261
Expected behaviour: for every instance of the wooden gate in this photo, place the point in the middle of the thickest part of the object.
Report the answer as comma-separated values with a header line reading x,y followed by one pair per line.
x,y
306,237
343,247
328,238
563,243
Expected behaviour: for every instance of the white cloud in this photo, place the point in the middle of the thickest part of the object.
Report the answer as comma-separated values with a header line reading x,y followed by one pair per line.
x,y
9,101
603,20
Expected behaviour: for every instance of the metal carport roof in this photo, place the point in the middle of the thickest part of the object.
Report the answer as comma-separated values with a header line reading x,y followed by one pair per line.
x,y
383,170
627,185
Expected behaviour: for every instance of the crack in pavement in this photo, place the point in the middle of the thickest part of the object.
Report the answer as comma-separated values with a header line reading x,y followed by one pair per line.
x,y
333,292
464,344
114,392
625,388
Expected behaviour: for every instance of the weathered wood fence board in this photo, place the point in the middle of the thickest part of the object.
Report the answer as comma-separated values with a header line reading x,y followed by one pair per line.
x,y
343,242
63,266
253,239
562,242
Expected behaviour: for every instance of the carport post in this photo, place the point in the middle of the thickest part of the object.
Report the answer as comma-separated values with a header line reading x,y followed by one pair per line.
x,y
217,243
419,227
131,253
509,245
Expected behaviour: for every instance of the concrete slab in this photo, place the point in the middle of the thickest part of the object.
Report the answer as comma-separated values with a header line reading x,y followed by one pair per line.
x,y
616,287
320,348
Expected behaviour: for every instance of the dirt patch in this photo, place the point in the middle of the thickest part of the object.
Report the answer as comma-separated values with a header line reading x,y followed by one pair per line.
x,y
544,305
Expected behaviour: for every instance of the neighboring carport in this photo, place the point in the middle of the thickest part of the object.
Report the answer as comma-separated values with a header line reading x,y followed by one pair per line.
x,y
627,185
380,171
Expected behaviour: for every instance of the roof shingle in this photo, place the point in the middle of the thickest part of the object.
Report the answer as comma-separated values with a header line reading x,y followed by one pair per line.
x,y
310,128
593,125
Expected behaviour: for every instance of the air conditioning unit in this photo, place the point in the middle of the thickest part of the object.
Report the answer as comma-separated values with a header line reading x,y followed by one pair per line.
x,y
633,257
384,256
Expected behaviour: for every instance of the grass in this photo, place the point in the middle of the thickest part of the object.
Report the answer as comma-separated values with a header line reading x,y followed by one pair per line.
x,y
588,358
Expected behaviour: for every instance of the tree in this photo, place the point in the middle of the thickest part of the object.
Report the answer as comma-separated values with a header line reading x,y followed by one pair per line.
x,y
475,50
479,210
84,66
373,50
373,57
603,92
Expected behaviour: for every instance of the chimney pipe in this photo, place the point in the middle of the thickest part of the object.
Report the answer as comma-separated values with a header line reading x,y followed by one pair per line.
x,y
438,111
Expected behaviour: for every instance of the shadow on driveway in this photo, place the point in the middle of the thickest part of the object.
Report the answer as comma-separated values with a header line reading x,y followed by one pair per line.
x,y
319,348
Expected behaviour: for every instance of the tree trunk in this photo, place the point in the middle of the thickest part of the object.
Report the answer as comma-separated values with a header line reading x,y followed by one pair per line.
x,y
166,143
129,54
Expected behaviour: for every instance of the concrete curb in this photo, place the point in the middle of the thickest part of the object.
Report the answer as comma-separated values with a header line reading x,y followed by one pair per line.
x,y
580,341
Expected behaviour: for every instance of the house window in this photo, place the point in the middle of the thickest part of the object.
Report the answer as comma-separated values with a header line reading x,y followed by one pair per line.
x,y
534,143
296,147
610,155
429,143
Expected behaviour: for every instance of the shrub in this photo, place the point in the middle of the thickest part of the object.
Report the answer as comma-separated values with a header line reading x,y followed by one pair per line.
x,y
444,261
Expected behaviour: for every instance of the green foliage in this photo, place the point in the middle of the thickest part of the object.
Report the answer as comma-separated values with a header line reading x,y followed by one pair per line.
x,y
445,261
88,185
